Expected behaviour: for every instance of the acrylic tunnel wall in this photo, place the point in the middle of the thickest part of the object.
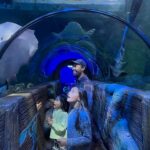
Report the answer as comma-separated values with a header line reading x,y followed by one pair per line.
x,y
113,51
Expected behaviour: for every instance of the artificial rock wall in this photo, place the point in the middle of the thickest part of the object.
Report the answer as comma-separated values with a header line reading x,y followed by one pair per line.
x,y
21,120
121,115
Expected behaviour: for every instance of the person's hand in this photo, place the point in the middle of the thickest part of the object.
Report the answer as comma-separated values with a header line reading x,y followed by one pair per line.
x,y
49,120
62,141
39,105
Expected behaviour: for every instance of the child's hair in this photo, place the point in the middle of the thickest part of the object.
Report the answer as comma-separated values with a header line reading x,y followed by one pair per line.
x,y
64,103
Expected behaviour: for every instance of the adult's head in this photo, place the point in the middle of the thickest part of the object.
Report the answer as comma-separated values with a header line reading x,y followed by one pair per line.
x,y
79,67
76,100
73,95
77,94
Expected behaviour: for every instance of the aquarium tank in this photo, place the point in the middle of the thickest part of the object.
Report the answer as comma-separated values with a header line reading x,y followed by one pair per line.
x,y
41,43
112,36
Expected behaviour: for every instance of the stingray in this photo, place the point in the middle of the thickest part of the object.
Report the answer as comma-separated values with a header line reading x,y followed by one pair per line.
x,y
18,53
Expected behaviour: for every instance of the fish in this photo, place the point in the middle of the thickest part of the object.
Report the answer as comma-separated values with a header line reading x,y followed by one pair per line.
x,y
27,45
135,7
77,32
117,68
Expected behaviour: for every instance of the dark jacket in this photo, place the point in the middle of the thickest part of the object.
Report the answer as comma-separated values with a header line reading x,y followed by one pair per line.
x,y
84,78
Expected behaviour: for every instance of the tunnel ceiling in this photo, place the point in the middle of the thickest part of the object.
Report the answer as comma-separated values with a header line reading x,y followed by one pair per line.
x,y
112,50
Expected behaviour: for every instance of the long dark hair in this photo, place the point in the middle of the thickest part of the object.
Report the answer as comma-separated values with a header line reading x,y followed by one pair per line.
x,y
64,103
83,105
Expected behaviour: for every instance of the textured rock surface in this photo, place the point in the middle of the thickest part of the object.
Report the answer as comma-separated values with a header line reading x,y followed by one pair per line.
x,y
21,121
122,116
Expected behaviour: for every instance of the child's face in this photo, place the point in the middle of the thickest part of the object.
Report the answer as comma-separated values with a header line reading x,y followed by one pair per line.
x,y
73,95
57,103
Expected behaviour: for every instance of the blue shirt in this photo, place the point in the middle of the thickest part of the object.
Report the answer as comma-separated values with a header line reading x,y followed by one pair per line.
x,y
79,139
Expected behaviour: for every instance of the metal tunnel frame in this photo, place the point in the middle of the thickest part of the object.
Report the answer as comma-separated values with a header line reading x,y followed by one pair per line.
x,y
145,39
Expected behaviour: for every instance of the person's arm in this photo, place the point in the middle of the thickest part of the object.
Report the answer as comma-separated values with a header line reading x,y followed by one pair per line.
x,y
86,133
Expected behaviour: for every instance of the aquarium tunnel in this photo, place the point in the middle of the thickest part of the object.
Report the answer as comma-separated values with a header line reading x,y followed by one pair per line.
x,y
36,63
68,35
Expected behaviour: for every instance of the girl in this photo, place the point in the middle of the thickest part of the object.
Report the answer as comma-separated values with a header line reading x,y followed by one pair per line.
x,y
79,134
58,122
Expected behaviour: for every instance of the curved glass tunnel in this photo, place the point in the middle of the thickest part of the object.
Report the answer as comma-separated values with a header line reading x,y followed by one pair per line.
x,y
116,56
113,52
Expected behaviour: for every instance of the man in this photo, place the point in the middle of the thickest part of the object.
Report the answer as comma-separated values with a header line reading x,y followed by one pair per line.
x,y
78,71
